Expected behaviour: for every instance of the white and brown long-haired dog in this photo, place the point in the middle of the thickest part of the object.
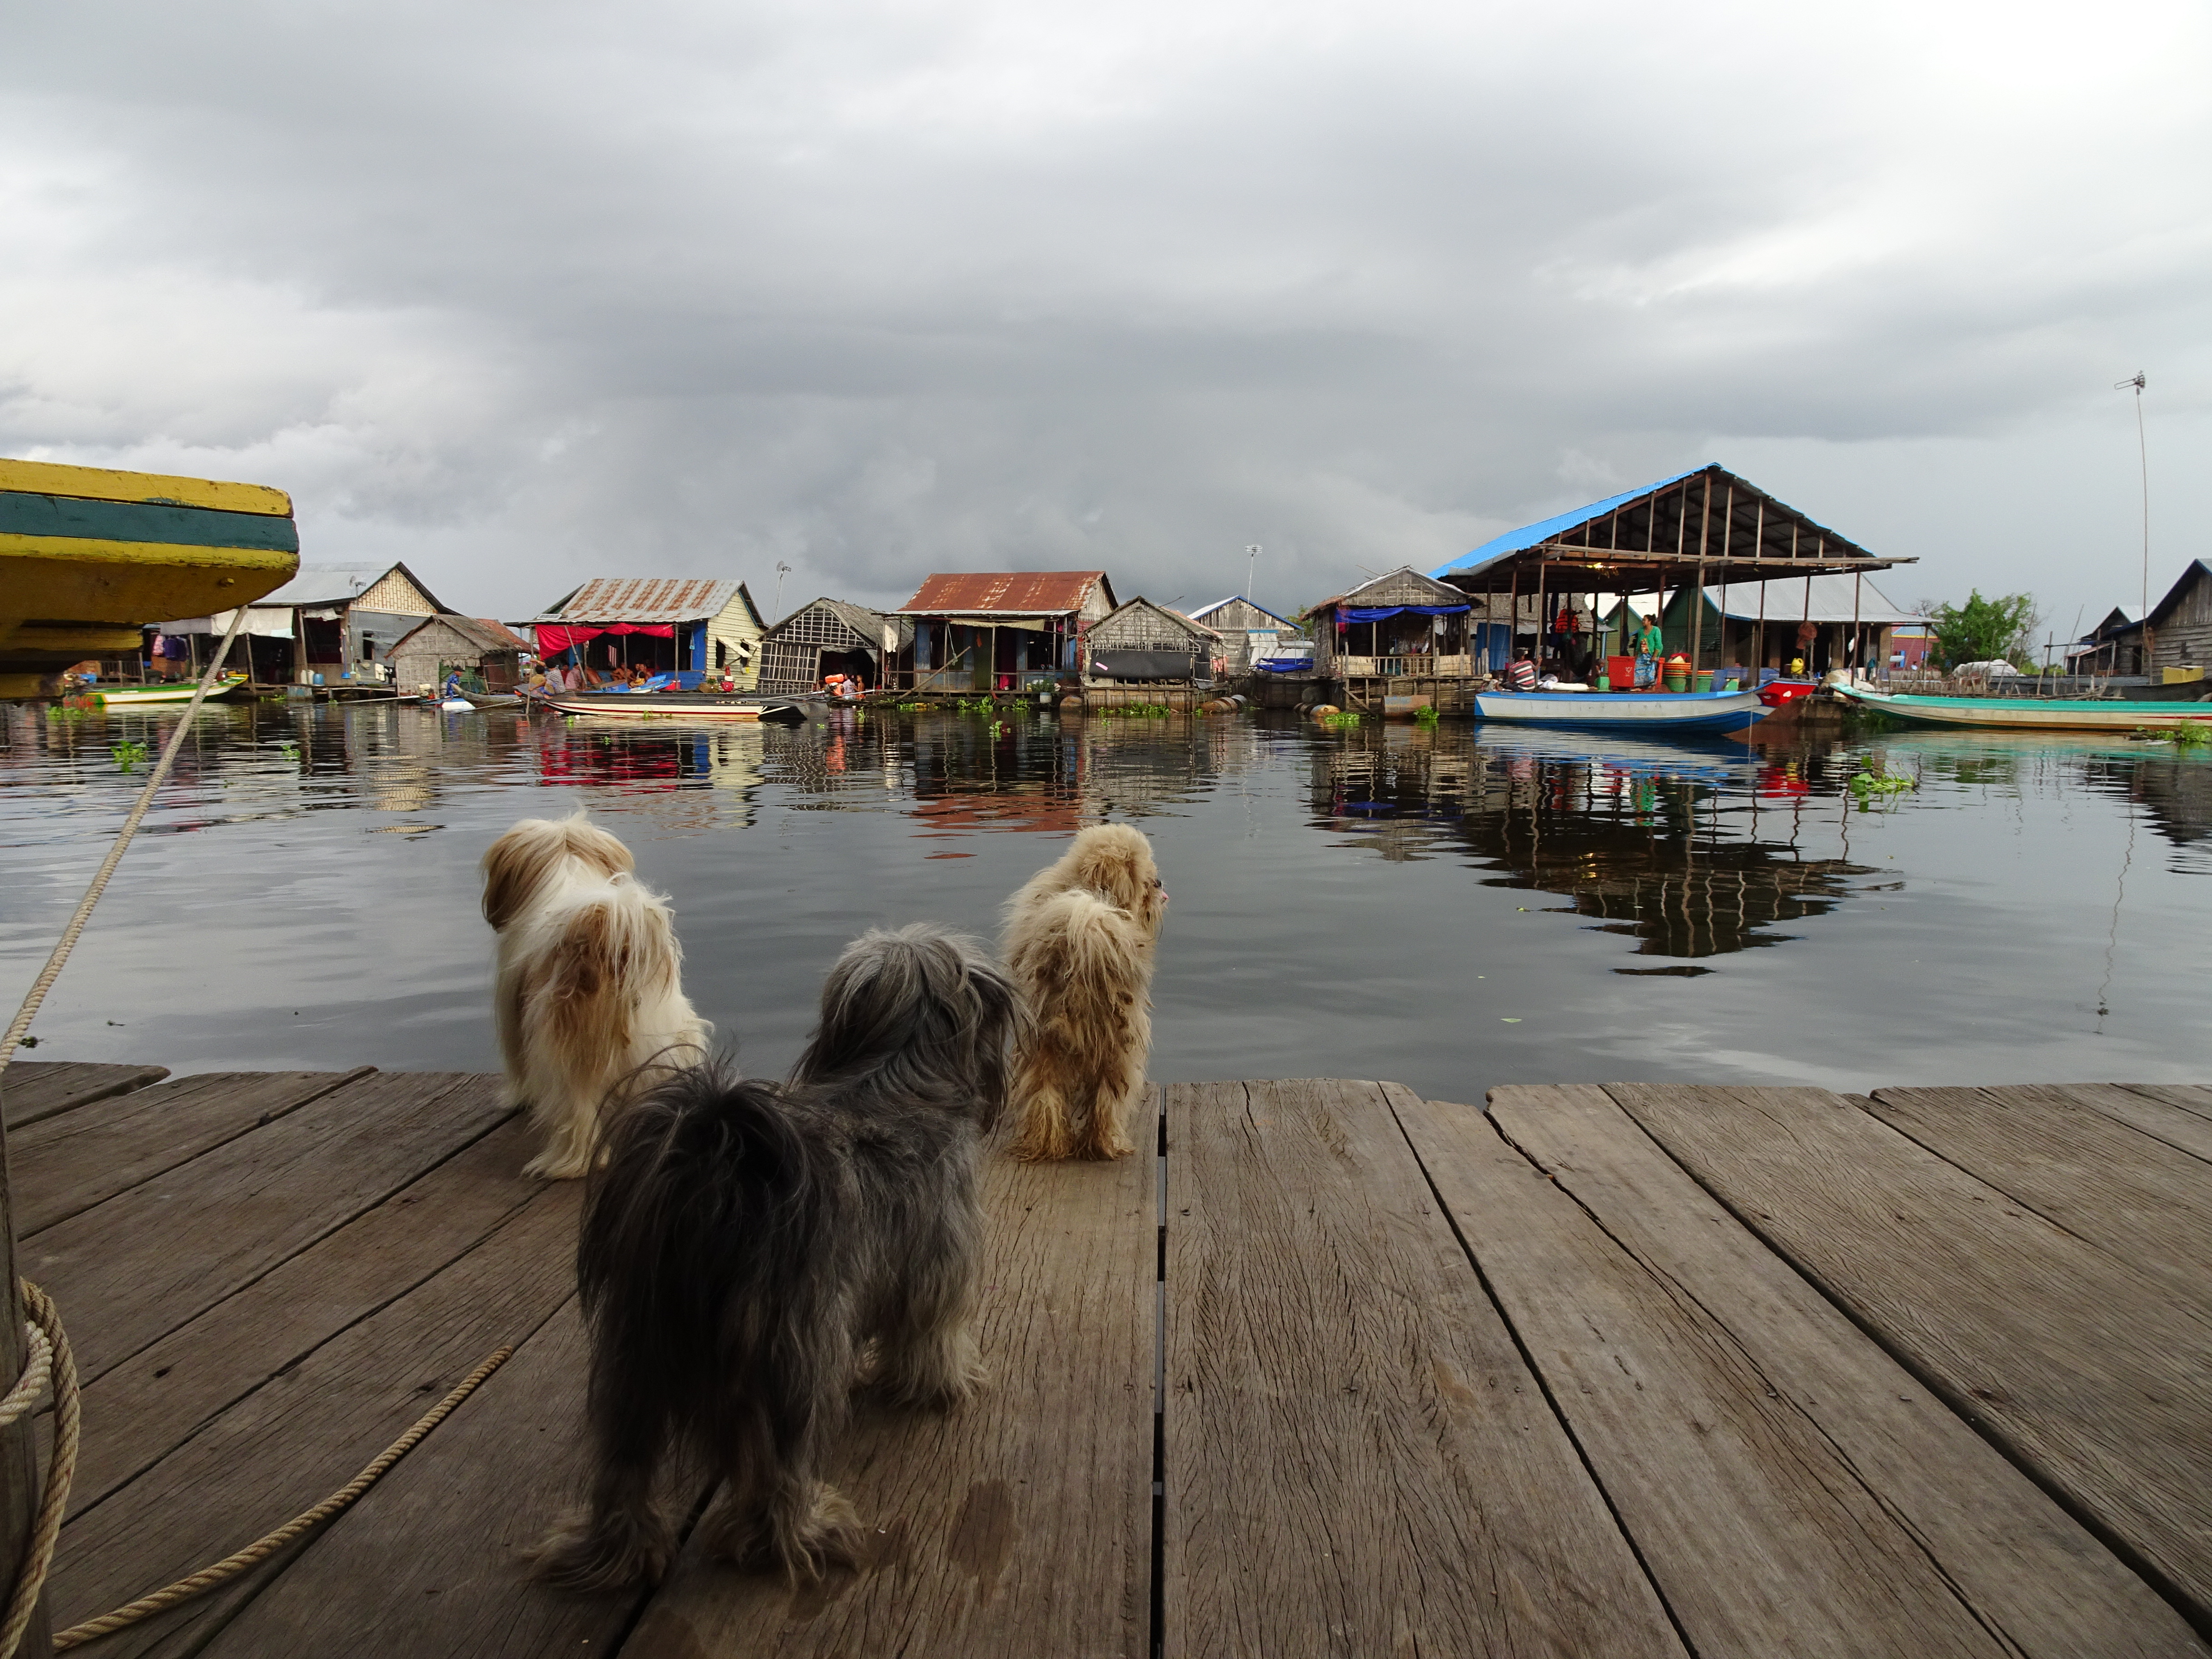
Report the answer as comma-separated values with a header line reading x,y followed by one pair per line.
x,y
589,996
1079,939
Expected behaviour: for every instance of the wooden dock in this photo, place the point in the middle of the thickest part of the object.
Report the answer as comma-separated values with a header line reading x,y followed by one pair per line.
x,y
1609,1371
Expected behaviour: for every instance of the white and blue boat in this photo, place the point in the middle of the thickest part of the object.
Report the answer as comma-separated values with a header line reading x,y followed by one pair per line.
x,y
1638,711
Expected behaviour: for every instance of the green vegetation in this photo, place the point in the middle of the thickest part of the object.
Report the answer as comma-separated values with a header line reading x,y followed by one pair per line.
x,y
2194,734
1983,630
127,755
1426,717
1869,786
1130,710
1343,719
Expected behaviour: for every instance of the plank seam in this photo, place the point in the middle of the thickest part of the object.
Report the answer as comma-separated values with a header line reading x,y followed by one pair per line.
x,y
244,1130
1675,1288
147,1078
2198,1617
506,1219
1543,1386
336,1226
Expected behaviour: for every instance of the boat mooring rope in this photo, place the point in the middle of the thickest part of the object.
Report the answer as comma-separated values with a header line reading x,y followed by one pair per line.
x,y
20,1026
47,1343
262,1548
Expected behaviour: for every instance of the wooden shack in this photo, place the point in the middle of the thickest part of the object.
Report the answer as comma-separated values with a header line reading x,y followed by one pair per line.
x,y
337,621
2180,627
1248,631
833,636
1398,644
490,651
662,623
1143,642
999,630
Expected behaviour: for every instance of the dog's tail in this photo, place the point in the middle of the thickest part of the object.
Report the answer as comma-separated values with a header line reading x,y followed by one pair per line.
x,y
1085,966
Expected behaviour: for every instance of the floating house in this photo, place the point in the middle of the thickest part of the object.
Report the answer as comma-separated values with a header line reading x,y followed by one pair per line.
x,y
662,623
1142,641
832,636
1000,630
2114,646
490,650
2179,630
1250,632
1670,540
1403,642
337,622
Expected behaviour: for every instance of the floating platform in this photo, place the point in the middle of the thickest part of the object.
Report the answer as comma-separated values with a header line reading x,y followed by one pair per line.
x,y
1329,1368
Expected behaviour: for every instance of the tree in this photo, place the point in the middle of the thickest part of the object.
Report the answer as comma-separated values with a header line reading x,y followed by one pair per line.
x,y
1982,630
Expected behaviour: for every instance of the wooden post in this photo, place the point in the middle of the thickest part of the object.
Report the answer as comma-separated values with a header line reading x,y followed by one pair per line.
x,y
1698,589
1858,640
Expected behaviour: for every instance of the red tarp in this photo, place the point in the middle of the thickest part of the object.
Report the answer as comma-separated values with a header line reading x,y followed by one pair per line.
x,y
552,639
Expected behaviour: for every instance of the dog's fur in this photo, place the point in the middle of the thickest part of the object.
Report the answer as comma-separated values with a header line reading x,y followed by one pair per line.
x,y
746,1243
588,994
1079,940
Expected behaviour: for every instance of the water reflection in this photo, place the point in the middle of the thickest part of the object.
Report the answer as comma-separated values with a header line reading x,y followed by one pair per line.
x,y
1676,847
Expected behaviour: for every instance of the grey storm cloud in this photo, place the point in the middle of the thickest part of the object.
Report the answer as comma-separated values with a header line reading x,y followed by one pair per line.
x,y
522,294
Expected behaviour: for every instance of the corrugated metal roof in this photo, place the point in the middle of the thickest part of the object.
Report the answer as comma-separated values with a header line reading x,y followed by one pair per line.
x,y
1831,602
318,585
1529,535
642,599
1005,592
1206,611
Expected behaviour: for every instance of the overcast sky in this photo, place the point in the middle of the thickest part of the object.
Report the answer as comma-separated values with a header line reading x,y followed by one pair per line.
x,y
525,293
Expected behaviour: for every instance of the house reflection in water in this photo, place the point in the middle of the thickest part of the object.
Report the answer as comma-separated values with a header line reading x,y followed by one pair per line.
x,y
1691,854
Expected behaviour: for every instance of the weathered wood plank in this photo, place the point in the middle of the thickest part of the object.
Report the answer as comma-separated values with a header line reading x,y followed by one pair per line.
x,y
66,1164
2189,1096
149,1405
2146,1201
2081,1368
1020,1524
2175,1125
31,1089
1840,1413
130,1271
308,1431
1357,1459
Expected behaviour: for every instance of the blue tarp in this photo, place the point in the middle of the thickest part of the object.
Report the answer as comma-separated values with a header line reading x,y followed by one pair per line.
x,y
1383,612
1515,540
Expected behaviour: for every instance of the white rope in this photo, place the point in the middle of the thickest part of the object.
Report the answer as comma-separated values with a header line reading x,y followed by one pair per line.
x,y
20,1027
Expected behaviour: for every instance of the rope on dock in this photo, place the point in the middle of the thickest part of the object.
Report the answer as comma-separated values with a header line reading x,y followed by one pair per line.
x,y
20,1025
45,1327
254,1553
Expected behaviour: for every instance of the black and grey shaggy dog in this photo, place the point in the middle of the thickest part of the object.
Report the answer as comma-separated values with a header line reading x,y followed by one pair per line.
x,y
748,1246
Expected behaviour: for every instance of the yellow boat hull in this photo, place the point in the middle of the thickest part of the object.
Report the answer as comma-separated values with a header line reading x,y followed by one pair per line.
x,y
89,556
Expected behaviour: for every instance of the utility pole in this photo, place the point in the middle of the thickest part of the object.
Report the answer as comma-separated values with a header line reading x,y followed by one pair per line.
x,y
2142,455
781,571
1251,565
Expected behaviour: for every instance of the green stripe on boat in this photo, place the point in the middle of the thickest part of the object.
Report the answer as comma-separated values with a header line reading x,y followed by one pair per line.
x,y
26,515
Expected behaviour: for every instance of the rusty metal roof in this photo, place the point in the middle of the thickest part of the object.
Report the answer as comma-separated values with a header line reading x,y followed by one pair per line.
x,y
1004,593
642,599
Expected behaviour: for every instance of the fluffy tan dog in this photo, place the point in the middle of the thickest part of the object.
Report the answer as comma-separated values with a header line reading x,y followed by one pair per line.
x,y
588,998
1079,941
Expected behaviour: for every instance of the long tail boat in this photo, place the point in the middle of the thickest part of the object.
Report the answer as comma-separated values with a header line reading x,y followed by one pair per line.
x,y
2034,714
1638,711
89,556
677,705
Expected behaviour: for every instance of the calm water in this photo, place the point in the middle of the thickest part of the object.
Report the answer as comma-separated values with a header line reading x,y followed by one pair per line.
x,y
1452,908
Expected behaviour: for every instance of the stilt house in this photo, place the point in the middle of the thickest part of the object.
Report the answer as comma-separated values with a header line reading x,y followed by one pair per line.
x,y
1248,631
664,624
489,650
1141,640
1400,643
1000,630
335,620
2179,628
832,636
1831,622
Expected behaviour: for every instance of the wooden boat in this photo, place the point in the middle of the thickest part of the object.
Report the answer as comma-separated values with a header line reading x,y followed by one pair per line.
x,y
2032,714
677,705
111,551
173,691
1638,711
493,699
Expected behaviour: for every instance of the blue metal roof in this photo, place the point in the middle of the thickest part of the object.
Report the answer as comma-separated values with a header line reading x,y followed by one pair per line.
x,y
1515,541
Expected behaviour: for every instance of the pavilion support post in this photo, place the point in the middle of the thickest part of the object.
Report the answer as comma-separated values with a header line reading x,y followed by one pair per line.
x,y
1858,640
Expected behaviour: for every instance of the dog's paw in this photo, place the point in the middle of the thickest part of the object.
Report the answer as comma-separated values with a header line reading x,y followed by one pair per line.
x,y
551,1165
615,1550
